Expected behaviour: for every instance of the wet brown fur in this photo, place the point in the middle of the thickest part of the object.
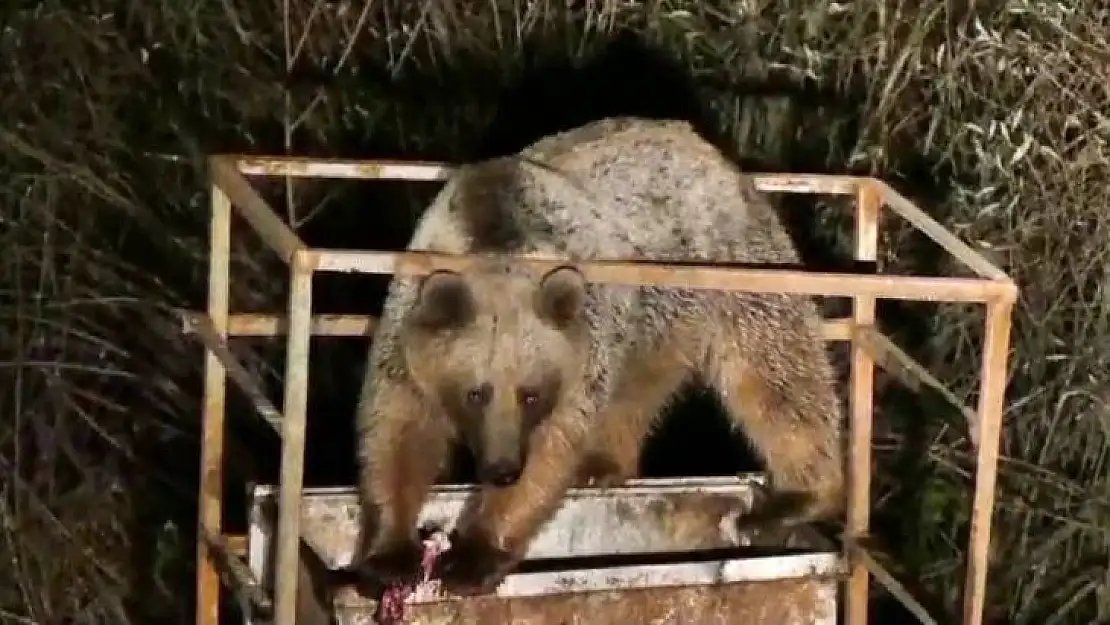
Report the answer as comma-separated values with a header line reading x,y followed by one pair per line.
x,y
609,358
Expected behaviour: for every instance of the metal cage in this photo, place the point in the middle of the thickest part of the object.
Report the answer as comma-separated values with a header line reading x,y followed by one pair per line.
x,y
230,189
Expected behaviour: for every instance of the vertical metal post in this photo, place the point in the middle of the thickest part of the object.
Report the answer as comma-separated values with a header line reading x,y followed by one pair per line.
x,y
992,391
294,423
862,400
210,494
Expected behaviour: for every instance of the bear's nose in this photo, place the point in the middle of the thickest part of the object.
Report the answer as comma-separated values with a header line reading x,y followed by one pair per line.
x,y
502,473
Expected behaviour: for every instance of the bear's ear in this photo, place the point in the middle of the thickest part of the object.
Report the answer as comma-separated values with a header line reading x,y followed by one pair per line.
x,y
561,295
443,301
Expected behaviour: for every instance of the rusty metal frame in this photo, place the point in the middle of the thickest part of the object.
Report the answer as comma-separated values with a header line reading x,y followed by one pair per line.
x,y
230,190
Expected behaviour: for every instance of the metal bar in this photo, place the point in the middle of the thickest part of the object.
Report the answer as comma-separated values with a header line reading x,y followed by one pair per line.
x,y
321,325
417,171
210,495
808,184
255,210
236,544
689,275
634,487
268,325
938,233
992,394
891,583
202,326
238,573
338,168
862,400
912,374
293,442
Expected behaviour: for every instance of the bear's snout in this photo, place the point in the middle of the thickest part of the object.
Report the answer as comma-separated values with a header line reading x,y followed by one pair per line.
x,y
501,473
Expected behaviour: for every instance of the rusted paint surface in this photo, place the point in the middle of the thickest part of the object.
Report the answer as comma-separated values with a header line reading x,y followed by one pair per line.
x,y
781,602
589,578
646,516
643,518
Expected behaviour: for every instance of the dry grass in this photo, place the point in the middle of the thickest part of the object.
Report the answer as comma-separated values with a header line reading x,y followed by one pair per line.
x,y
108,107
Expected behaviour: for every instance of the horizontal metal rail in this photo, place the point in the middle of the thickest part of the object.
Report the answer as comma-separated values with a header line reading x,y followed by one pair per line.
x,y
681,275
271,324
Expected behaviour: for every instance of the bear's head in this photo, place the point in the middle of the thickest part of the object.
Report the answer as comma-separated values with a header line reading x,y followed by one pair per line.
x,y
498,349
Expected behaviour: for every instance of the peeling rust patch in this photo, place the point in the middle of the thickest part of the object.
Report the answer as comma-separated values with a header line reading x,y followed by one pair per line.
x,y
784,602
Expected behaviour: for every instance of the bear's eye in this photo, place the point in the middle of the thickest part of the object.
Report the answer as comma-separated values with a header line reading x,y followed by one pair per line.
x,y
529,397
479,395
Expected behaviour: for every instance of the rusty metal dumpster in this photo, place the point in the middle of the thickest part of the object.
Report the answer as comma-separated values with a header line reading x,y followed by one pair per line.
x,y
653,551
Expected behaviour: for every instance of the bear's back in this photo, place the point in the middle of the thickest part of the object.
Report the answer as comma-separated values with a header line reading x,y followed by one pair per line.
x,y
657,190
616,188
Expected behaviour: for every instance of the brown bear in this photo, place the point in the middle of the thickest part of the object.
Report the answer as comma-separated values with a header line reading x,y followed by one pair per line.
x,y
549,379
